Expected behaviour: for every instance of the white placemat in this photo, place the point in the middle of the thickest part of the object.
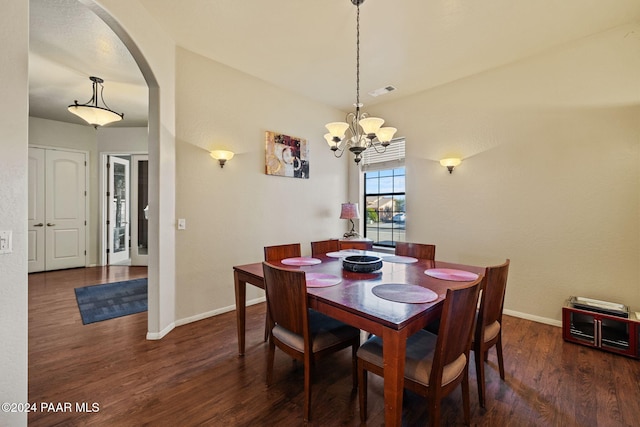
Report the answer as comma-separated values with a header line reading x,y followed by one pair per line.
x,y
301,260
403,292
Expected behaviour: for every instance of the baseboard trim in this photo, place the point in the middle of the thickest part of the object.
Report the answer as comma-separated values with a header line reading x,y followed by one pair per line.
x,y
539,319
159,335
222,310
215,312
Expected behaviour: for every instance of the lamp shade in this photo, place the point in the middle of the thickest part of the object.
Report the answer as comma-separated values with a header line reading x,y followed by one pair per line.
x,y
337,129
222,154
452,161
386,134
370,125
349,211
96,116
330,141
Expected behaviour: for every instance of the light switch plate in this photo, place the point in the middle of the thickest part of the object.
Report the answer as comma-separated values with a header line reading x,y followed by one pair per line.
x,y
6,247
182,224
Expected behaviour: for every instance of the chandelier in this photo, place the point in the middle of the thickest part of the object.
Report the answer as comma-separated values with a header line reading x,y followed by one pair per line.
x,y
364,132
91,112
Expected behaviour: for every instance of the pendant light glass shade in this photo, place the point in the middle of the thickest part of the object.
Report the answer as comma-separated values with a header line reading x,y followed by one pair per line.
x,y
370,125
95,116
386,134
337,129
330,141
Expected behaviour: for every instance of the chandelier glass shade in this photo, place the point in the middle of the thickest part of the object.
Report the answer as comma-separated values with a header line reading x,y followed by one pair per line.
x,y
360,131
91,112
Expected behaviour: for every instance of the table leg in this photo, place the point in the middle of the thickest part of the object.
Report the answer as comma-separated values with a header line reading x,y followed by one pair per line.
x,y
241,301
394,350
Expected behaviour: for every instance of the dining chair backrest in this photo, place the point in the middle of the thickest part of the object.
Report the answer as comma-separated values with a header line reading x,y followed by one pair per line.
x,y
363,245
492,301
303,334
488,332
324,246
280,252
456,328
287,298
434,364
416,250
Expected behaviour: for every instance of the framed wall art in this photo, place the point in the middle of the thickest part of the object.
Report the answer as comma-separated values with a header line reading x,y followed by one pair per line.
x,y
286,156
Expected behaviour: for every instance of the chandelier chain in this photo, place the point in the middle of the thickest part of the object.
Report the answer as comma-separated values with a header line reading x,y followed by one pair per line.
x,y
359,131
358,58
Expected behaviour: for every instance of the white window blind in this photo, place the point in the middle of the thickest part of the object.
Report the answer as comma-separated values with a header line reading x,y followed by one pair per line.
x,y
393,157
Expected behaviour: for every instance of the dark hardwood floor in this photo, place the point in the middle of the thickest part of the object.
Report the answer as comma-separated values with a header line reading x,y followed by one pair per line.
x,y
194,377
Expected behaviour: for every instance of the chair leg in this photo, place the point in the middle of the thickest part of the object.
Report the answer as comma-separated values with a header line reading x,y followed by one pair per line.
x,y
479,357
465,397
267,326
307,388
499,351
434,412
362,391
270,359
354,365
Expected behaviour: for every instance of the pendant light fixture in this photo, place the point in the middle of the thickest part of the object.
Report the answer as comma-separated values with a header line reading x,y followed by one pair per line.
x,y
91,112
364,132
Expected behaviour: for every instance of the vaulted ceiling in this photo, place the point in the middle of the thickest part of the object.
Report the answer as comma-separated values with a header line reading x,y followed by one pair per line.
x,y
307,47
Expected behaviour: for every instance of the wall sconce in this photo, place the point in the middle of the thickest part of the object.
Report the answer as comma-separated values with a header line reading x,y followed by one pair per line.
x,y
222,156
450,163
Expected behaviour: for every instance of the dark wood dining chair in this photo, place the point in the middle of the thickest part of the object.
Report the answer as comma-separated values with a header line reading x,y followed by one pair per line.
x,y
322,247
435,364
303,334
274,254
362,245
488,331
416,250
280,252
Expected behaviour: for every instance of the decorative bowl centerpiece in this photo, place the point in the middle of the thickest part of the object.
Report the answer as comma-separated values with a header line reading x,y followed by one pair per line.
x,y
362,263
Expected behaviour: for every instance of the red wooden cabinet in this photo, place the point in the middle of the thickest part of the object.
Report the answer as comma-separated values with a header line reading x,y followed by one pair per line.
x,y
606,332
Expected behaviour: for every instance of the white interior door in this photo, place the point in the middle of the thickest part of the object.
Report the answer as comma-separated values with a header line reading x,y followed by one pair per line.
x,y
65,209
119,212
36,213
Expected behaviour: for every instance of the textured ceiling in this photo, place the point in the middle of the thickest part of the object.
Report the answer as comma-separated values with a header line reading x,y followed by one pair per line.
x,y
68,43
308,47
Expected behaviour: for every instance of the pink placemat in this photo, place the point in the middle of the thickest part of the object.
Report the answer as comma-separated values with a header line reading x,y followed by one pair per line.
x,y
301,260
451,274
321,280
346,252
402,292
400,259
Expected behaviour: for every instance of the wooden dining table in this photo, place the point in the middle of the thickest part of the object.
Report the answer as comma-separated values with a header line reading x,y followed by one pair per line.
x,y
353,301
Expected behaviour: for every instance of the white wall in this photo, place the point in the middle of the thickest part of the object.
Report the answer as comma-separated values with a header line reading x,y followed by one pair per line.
x,y
14,33
123,140
232,213
550,177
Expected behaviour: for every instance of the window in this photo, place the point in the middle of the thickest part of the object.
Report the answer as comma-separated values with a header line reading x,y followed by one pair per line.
x,y
384,195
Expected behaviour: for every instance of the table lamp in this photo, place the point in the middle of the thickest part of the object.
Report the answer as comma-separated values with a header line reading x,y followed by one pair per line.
x,y
350,211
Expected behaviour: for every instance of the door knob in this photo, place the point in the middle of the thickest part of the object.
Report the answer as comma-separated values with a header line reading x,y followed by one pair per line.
x,y
50,225
38,224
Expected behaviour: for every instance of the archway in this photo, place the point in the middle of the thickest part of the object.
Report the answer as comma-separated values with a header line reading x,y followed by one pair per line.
x,y
156,328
